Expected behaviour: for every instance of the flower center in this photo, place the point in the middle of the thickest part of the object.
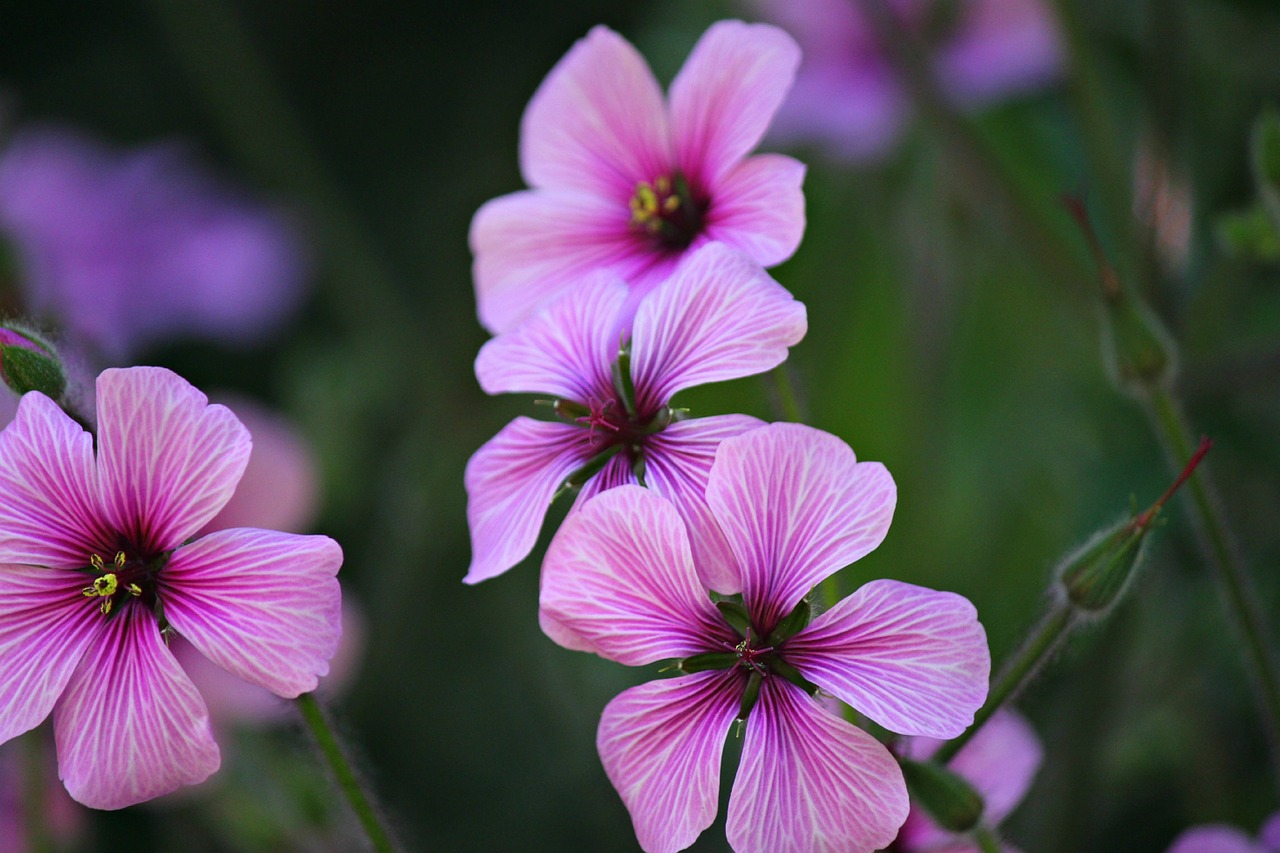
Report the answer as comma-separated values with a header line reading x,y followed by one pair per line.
x,y
754,658
123,578
667,211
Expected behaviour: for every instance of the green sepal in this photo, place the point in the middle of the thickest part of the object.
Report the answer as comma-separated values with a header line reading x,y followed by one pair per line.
x,y
750,695
707,661
785,670
622,383
588,470
948,798
735,613
791,624
570,411
1095,576
30,363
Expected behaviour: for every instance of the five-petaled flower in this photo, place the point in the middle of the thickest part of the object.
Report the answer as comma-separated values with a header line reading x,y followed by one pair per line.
x,y
719,317
625,182
795,506
97,571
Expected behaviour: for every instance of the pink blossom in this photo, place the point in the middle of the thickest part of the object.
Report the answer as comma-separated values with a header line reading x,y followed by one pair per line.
x,y
719,317
98,571
625,181
1000,762
127,248
849,97
795,507
1223,838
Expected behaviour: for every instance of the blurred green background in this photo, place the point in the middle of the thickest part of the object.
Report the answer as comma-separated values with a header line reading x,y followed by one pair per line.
x,y
941,342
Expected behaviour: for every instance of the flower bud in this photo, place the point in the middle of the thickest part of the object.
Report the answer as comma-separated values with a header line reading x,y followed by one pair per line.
x,y
948,798
29,363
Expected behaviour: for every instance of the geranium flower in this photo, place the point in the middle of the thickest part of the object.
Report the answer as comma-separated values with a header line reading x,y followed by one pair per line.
x,y
719,317
128,248
795,506
1000,762
97,571
625,182
848,95
1223,838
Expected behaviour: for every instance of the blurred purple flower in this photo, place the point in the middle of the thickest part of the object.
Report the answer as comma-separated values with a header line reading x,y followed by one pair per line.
x,y
63,819
129,723
848,96
1000,762
796,506
719,317
1222,838
125,249
625,180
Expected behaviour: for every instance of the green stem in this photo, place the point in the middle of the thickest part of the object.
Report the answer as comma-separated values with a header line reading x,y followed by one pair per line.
x,y
35,794
1015,674
345,776
987,840
1215,540
788,401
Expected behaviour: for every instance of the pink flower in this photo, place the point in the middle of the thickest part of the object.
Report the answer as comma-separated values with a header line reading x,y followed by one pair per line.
x,y
625,182
719,317
999,762
795,506
97,571
849,96
1221,838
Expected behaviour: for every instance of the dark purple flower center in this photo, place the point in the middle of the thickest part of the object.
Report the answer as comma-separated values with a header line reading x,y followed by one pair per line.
x,y
752,656
124,579
668,211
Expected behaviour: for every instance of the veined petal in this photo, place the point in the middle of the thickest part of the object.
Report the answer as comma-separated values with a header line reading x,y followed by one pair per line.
x,y
759,208
45,627
597,123
510,483
50,514
660,744
131,725
619,577
677,463
168,461
796,506
726,94
720,316
912,659
565,350
533,246
810,782
263,605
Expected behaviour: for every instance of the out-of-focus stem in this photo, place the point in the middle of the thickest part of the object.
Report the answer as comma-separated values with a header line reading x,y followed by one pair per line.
x,y
1016,673
987,840
360,801
35,795
788,401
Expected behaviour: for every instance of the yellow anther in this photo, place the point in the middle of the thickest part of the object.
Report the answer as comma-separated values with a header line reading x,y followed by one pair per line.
x,y
120,559
105,607
644,204
104,586
134,590
96,562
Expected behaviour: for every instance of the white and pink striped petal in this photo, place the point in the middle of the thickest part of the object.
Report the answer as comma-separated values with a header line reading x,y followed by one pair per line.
x,y
912,659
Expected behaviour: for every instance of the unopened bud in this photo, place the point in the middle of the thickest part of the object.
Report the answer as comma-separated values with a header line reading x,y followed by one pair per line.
x,y
30,363
948,797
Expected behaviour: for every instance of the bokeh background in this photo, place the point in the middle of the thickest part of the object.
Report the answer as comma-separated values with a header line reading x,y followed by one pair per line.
x,y
942,342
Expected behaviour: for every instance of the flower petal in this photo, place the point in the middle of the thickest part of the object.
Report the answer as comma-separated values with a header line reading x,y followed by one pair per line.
x,y
677,463
720,316
726,94
510,483
131,725
1215,838
168,461
618,575
759,208
50,515
45,627
661,744
912,659
796,506
597,123
566,350
809,781
263,605
531,247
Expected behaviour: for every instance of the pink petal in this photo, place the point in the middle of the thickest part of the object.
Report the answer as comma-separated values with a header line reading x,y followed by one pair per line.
x,y
510,483
795,506
809,781
719,317
660,744
531,247
759,208
50,514
726,94
263,605
1269,834
1001,48
131,725
619,576
677,463
912,659
597,122
565,351
46,625
168,461
1215,838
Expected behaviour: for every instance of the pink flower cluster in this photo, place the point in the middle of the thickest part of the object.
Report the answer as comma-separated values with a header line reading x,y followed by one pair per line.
x,y
632,270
